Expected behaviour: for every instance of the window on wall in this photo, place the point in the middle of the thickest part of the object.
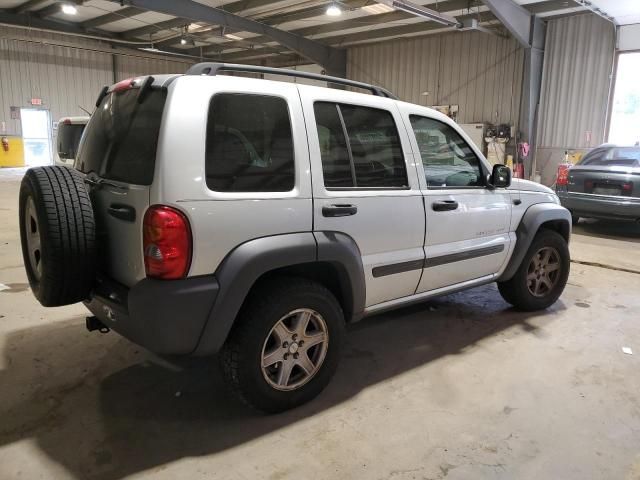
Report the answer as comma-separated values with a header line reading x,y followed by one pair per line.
x,y
249,144
625,112
359,147
448,160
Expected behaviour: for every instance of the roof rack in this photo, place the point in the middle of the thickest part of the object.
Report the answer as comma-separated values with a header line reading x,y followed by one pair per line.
x,y
212,69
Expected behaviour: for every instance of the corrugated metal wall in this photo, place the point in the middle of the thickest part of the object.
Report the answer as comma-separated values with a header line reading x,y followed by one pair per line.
x,y
35,65
64,78
579,54
127,67
480,73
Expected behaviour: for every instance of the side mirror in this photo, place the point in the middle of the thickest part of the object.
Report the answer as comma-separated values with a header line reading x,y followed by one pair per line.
x,y
500,177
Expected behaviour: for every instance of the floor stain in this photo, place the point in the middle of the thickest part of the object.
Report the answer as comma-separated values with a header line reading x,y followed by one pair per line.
x,y
582,305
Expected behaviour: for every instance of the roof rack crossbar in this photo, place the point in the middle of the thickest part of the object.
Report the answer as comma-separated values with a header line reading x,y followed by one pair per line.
x,y
212,69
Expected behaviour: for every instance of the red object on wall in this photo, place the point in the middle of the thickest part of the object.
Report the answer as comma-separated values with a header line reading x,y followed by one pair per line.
x,y
518,170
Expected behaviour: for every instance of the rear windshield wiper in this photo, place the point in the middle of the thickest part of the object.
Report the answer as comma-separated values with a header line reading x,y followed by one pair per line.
x,y
96,181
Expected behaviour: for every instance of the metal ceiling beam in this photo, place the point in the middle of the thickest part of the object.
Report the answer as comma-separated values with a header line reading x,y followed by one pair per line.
x,y
155,27
126,12
60,26
373,20
26,6
367,35
516,18
378,34
334,60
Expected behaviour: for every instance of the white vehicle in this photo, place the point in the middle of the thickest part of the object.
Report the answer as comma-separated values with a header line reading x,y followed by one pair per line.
x,y
68,138
208,213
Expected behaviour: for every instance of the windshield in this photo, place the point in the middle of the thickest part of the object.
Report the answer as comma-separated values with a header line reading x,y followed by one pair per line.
x,y
69,139
122,137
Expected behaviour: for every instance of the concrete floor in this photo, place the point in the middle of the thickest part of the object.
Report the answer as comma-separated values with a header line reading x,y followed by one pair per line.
x,y
463,387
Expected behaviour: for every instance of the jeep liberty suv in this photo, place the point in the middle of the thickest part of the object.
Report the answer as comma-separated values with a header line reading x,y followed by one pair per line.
x,y
210,213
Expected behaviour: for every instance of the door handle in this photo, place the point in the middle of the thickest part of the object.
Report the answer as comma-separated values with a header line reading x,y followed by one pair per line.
x,y
122,212
444,205
340,210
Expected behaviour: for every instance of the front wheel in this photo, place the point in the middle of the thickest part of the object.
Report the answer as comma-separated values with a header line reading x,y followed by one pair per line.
x,y
542,275
285,346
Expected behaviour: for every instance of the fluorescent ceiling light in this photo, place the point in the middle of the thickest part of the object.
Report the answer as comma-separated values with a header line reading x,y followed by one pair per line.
x,y
420,11
231,36
69,9
334,10
377,8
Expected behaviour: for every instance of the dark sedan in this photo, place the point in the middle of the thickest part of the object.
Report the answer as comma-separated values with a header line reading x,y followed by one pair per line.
x,y
605,183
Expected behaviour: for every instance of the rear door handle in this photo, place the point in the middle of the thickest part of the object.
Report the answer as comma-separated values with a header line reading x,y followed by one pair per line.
x,y
444,205
339,210
122,212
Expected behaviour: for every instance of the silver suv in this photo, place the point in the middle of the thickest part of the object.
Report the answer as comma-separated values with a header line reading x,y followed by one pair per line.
x,y
210,213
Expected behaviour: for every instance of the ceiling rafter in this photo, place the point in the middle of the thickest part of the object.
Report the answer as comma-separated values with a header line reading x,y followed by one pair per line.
x,y
332,59
115,16
26,6
380,33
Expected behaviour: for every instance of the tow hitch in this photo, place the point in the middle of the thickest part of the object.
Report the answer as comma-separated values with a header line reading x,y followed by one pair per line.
x,y
94,324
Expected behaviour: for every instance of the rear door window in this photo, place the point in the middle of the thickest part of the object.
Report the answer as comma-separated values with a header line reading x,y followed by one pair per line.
x,y
249,145
359,147
122,137
69,139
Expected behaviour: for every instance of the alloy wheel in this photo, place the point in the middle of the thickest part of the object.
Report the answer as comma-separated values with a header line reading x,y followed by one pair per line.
x,y
294,349
543,272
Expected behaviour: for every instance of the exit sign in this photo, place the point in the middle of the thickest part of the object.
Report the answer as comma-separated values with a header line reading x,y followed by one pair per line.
x,y
36,101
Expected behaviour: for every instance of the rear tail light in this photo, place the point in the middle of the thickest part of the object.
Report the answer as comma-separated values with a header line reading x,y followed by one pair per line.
x,y
563,174
588,184
627,187
167,243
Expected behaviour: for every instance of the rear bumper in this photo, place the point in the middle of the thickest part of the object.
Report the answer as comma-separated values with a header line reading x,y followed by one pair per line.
x,y
601,206
164,316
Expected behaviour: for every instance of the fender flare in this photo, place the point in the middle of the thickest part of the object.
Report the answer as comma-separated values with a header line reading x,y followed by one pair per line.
x,y
535,216
244,265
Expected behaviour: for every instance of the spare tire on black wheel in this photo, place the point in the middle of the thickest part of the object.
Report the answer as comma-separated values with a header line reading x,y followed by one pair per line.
x,y
58,234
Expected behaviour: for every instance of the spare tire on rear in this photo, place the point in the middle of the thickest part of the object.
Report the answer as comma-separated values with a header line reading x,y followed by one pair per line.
x,y
58,234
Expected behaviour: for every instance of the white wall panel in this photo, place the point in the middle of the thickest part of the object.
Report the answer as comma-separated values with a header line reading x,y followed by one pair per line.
x,y
127,66
66,72
64,78
579,55
481,73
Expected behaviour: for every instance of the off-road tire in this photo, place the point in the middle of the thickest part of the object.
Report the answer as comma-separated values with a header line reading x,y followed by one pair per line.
x,y
241,356
66,230
516,292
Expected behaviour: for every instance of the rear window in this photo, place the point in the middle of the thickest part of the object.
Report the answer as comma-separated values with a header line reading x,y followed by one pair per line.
x,y
249,144
122,137
613,157
69,139
359,147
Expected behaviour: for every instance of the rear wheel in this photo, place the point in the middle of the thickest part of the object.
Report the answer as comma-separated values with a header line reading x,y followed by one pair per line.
x,y
285,346
57,231
542,275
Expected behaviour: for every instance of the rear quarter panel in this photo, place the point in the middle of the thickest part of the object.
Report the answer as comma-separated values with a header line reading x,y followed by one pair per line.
x,y
221,221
